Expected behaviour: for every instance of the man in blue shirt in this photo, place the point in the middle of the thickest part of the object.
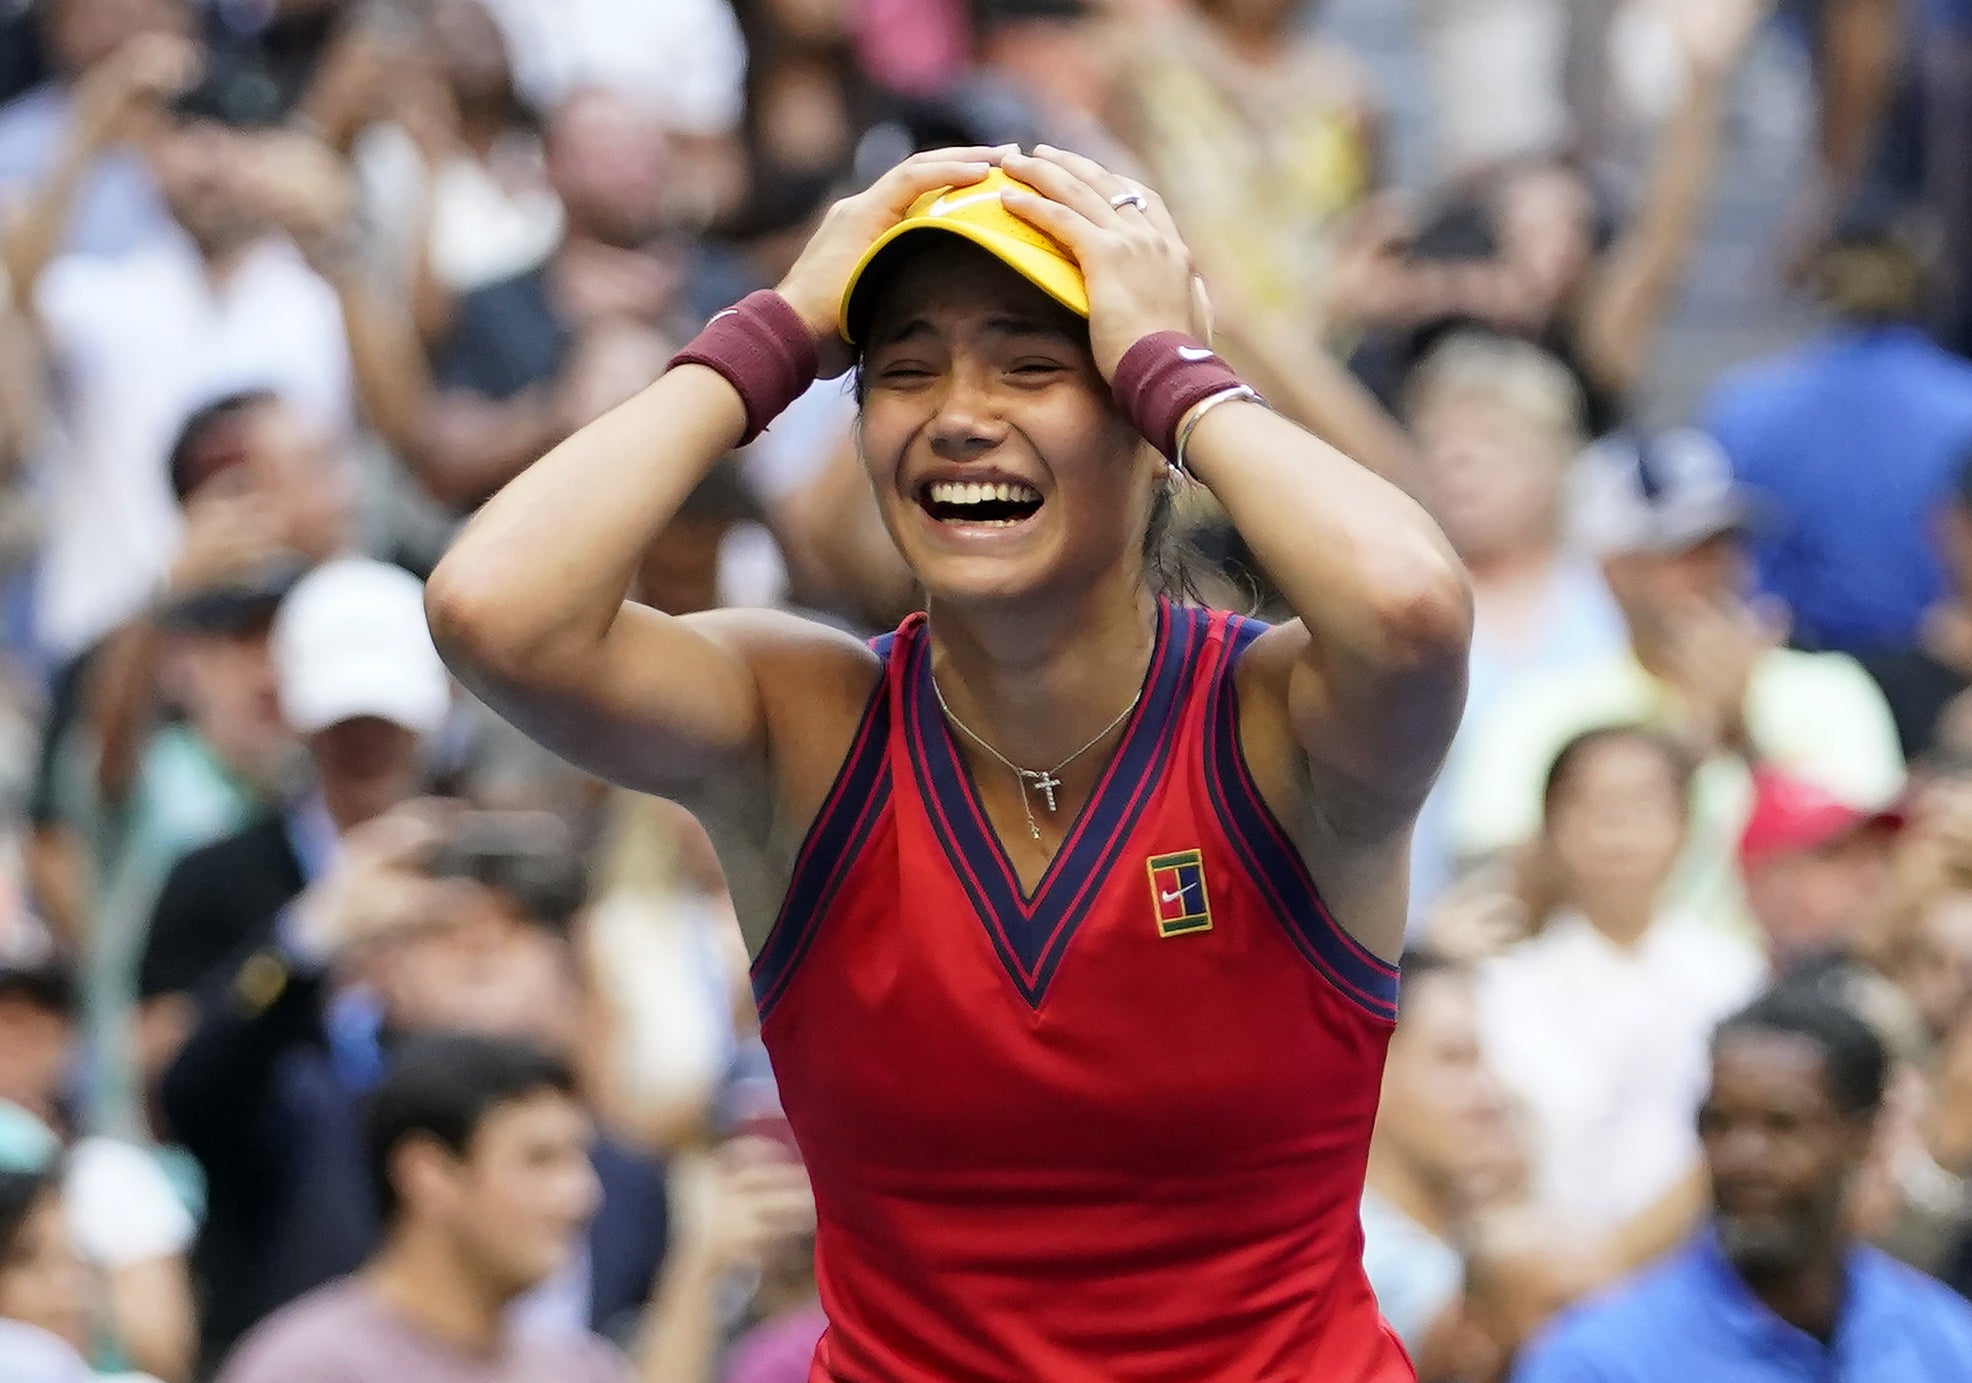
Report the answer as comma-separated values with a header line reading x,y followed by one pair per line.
x,y
1853,441
1774,1290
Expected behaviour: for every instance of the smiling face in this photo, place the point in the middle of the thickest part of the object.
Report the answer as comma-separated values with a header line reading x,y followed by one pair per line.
x,y
1000,464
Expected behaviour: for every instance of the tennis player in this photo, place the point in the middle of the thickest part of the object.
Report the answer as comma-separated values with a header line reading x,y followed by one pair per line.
x,y
1073,908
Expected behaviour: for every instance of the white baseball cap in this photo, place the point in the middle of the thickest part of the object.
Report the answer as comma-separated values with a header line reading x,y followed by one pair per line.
x,y
350,640
1657,493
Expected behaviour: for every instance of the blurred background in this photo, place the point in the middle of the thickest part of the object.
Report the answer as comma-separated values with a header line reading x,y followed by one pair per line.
x,y
1661,306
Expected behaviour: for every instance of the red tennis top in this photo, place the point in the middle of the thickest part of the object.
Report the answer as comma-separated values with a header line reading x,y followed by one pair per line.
x,y
1112,1131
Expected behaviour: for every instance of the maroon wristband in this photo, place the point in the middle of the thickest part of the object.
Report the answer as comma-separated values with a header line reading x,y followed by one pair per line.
x,y
1163,377
764,350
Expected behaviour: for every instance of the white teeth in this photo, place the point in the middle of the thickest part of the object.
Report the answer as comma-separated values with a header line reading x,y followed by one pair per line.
x,y
966,493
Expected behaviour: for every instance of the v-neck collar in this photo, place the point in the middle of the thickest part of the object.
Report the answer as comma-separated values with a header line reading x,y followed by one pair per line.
x,y
1031,932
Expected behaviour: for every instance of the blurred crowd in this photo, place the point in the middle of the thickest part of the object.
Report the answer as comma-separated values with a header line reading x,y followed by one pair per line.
x,y
344,1035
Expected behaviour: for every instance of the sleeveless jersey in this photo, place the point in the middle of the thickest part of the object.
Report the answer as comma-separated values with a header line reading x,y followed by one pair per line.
x,y
1112,1131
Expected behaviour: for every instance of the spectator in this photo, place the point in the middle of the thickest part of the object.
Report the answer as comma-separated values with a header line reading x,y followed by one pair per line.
x,y
1441,1107
361,684
478,1150
1702,665
44,1301
1854,440
1531,248
1266,137
1816,869
183,741
115,203
756,1219
1498,424
121,1215
1598,1023
267,1090
1921,676
1776,1288
455,177
500,402
144,338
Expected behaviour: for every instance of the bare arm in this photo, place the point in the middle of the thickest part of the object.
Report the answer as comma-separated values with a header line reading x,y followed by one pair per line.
x,y
529,605
1860,42
23,409
106,101
1627,302
154,1316
1371,675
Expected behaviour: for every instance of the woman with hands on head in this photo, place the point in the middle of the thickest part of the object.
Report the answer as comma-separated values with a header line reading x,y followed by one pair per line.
x,y
1080,1057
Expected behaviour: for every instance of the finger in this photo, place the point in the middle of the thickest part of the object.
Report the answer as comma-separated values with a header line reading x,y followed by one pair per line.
x,y
1052,180
1064,223
910,180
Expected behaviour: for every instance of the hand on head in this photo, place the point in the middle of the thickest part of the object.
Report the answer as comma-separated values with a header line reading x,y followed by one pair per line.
x,y
1139,272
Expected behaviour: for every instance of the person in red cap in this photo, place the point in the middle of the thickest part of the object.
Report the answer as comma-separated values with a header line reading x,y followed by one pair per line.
x,y
1081,1060
1814,866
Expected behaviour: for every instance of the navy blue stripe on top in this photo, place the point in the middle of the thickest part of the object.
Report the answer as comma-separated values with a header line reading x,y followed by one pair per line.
x,y
1270,858
1031,934
855,804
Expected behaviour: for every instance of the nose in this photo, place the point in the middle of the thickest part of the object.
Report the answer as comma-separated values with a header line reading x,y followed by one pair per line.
x,y
968,423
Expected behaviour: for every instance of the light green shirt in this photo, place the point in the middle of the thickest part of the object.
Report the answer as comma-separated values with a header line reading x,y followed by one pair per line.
x,y
1815,715
183,797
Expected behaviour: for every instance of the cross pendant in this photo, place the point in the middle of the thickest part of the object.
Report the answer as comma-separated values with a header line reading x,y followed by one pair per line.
x,y
1047,783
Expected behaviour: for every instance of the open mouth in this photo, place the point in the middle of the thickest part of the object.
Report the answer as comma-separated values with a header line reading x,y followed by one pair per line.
x,y
995,504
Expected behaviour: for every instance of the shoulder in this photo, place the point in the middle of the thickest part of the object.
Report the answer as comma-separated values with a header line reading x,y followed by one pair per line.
x,y
310,1340
260,839
582,1358
1918,1305
1600,1339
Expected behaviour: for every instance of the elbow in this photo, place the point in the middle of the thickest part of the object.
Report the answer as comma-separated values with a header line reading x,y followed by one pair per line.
x,y
1422,608
463,614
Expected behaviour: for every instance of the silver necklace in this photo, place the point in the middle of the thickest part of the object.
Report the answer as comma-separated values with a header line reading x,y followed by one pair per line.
x,y
1045,782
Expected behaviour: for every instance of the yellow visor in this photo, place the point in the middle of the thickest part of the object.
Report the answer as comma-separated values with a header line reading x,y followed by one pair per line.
x,y
975,213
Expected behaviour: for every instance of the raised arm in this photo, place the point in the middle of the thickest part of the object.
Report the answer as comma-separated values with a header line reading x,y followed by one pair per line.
x,y
529,606
108,98
1629,298
1371,675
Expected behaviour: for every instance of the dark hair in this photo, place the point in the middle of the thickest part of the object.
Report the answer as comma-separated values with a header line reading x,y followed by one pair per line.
x,y
1420,963
48,983
20,1193
1569,758
1854,1056
192,461
442,1087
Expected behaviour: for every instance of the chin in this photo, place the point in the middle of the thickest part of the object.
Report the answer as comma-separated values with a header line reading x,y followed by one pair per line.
x,y
1761,1248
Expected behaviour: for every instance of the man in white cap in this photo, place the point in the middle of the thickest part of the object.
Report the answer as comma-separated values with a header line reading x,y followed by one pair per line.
x,y
1704,664
362,686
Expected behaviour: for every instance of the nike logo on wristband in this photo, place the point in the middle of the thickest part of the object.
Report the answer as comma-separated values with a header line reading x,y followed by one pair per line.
x,y
729,312
1194,354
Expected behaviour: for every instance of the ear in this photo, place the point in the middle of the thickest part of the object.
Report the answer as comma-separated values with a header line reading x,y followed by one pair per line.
x,y
423,1170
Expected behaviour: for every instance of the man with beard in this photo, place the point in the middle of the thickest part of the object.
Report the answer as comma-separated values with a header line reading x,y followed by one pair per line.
x,y
1776,1288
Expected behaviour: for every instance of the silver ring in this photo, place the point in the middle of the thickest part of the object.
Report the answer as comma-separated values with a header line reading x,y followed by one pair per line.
x,y
1131,198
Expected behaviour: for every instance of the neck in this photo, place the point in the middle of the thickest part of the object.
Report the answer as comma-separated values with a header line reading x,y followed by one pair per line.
x,y
419,1278
1623,918
1809,1297
1401,1181
1036,684
1514,565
